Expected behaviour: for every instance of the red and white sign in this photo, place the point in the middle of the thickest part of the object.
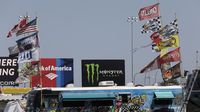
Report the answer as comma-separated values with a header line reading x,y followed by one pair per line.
x,y
149,12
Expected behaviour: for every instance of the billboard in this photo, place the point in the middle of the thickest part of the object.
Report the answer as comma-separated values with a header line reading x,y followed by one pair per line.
x,y
8,71
94,71
55,72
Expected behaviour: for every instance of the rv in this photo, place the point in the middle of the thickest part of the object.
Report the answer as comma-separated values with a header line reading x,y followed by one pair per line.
x,y
106,99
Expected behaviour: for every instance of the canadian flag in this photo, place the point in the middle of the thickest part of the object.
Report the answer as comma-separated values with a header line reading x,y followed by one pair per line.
x,y
17,27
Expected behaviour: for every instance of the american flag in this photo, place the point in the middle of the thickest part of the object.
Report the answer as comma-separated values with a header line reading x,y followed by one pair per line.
x,y
28,28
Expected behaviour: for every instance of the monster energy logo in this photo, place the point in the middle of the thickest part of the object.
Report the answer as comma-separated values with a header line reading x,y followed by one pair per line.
x,y
92,70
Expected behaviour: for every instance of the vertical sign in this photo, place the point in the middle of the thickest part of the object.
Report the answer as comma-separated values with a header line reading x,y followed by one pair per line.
x,y
8,71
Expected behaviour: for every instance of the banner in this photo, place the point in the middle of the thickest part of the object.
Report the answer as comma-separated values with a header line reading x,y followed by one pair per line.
x,y
29,56
55,72
13,51
8,71
28,42
149,12
171,56
94,71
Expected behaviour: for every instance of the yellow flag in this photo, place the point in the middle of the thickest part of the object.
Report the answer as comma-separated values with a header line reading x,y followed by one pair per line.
x,y
173,41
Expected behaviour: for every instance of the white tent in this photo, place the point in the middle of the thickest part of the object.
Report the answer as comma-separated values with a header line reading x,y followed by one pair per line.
x,y
13,106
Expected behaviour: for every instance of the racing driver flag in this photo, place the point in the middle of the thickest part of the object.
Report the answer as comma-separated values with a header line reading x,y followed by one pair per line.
x,y
149,12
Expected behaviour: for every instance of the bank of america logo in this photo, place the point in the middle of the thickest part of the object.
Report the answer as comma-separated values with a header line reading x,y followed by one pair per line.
x,y
51,76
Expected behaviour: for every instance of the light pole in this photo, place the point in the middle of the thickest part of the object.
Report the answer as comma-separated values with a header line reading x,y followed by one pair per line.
x,y
132,19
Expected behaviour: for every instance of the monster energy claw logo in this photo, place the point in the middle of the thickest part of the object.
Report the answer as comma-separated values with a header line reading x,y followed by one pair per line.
x,y
92,70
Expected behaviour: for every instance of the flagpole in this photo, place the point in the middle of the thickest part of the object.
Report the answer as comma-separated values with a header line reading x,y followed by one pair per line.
x,y
197,59
40,73
182,72
132,19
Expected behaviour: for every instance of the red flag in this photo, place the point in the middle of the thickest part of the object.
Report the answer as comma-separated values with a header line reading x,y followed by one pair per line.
x,y
171,56
17,27
149,12
155,37
151,66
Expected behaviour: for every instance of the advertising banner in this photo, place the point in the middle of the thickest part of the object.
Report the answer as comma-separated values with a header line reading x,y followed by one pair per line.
x,y
8,71
94,71
55,72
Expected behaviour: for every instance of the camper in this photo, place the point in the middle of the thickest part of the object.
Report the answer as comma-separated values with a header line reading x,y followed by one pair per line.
x,y
106,99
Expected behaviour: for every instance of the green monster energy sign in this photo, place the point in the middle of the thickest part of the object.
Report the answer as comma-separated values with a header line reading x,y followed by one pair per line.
x,y
92,70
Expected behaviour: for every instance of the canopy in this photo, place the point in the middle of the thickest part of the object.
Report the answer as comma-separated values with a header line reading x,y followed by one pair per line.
x,y
13,106
164,95
66,96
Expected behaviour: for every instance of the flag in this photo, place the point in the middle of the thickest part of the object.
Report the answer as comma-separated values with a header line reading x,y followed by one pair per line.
x,y
17,27
172,42
28,28
152,25
169,30
164,70
13,51
23,22
171,56
153,65
28,42
176,71
155,37
29,56
174,23
149,12
172,73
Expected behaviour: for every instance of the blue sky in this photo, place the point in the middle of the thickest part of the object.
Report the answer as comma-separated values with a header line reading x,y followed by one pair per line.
x,y
98,29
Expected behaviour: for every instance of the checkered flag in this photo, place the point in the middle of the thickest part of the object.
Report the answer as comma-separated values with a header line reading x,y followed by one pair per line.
x,y
175,24
169,30
152,25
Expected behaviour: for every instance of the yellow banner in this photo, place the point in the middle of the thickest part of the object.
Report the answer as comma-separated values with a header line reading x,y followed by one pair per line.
x,y
15,90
